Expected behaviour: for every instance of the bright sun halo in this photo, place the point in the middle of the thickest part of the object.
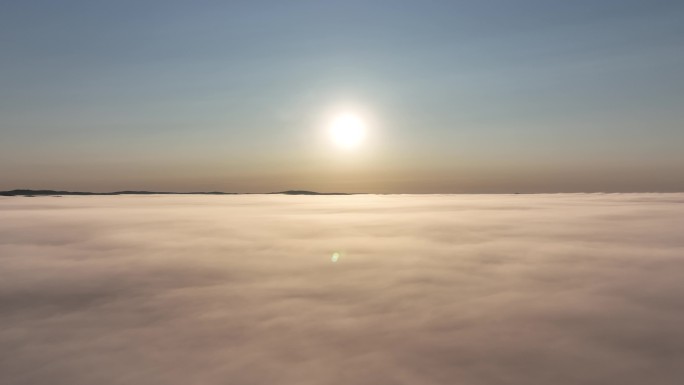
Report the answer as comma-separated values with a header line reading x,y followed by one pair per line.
x,y
347,130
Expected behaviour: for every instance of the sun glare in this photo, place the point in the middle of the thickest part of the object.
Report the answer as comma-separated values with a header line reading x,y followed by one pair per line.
x,y
347,130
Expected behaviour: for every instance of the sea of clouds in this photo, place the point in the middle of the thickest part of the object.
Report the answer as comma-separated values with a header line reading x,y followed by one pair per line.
x,y
426,289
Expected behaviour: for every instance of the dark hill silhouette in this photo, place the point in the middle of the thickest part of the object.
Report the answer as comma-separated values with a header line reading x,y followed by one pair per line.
x,y
27,192
304,192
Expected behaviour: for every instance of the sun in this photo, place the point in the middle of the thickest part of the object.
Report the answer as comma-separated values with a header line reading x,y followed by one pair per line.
x,y
347,130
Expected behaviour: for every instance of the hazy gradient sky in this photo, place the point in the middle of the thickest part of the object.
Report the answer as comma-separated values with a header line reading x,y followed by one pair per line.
x,y
459,96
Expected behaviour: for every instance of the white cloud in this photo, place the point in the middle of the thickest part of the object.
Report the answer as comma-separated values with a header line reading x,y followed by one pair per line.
x,y
473,289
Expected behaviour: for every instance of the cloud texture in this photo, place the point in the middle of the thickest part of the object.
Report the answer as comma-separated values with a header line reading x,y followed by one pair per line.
x,y
465,289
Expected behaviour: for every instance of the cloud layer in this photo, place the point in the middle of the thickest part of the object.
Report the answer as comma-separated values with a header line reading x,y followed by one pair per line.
x,y
470,289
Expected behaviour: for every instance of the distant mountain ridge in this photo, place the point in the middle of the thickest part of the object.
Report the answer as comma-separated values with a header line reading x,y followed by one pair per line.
x,y
304,192
26,192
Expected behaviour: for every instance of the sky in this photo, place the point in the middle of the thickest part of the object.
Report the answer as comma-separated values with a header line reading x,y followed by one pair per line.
x,y
475,289
457,96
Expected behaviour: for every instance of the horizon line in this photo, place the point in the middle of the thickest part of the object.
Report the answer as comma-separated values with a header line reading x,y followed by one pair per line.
x,y
47,192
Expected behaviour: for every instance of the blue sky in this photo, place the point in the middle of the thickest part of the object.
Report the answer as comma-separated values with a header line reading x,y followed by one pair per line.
x,y
476,96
